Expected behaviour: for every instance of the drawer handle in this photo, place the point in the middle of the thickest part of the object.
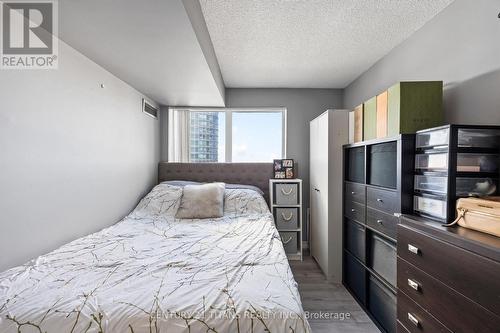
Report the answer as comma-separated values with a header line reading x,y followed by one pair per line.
x,y
285,192
413,284
287,219
380,222
413,249
353,210
380,200
413,319
286,241
353,193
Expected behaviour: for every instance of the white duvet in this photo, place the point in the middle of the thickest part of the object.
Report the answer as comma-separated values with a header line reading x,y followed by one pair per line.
x,y
153,273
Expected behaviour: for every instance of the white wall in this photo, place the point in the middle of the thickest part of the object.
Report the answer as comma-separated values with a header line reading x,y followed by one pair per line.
x,y
459,46
74,158
302,105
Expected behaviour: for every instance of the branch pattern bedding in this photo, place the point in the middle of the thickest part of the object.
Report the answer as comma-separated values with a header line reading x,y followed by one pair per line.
x,y
154,273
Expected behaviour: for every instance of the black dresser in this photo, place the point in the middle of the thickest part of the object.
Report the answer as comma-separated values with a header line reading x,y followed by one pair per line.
x,y
378,186
448,279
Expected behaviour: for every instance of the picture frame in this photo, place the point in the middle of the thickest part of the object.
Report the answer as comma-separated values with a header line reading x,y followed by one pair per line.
x,y
277,165
279,175
284,169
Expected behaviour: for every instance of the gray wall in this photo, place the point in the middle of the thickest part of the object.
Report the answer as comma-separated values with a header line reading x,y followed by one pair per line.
x,y
460,46
302,105
75,158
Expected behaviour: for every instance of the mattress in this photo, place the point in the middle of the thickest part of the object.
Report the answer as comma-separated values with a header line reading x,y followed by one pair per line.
x,y
154,273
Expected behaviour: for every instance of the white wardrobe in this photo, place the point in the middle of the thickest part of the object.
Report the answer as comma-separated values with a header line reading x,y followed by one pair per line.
x,y
328,133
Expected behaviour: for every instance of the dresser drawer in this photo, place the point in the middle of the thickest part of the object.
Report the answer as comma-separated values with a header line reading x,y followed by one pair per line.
x,y
474,276
355,192
355,211
386,201
383,257
355,239
286,218
290,242
355,277
415,319
286,194
383,222
401,328
382,304
455,311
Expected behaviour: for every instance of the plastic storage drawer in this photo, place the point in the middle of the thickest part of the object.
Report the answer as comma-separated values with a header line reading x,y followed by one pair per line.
x,y
432,162
432,184
430,206
477,163
435,138
478,138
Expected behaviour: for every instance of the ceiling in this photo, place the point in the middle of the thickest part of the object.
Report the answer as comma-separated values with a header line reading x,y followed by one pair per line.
x,y
308,43
157,46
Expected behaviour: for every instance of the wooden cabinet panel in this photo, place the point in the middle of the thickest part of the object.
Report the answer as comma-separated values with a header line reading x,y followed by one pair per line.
x,y
382,115
370,119
358,123
393,107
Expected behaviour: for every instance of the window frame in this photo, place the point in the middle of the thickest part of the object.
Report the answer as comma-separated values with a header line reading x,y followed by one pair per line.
x,y
229,125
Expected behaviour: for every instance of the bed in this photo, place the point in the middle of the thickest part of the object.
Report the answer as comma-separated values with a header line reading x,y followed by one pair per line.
x,y
151,272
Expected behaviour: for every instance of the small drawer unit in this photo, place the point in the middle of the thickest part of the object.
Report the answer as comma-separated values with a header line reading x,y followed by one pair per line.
x,y
453,162
286,206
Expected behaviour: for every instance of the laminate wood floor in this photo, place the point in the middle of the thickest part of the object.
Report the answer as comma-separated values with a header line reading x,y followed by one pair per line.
x,y
319,295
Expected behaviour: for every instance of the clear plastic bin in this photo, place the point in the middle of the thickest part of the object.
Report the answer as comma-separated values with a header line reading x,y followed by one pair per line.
x,y
476,186
432,183
478,138
477,163
430,206
432,162
433,138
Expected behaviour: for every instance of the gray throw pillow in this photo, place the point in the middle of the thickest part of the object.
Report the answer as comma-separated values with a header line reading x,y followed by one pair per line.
x,y
202,201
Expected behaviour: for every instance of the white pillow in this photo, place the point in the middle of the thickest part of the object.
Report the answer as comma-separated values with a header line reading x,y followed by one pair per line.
x,y
163,200
202,201
239,202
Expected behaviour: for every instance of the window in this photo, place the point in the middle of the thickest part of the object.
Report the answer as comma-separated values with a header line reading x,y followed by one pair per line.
x,y
226,135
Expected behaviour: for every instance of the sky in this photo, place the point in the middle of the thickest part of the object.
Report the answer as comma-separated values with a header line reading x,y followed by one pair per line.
x,y
256,136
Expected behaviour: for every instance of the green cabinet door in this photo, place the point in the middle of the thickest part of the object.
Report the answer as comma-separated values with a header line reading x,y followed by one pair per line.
x,y
370,119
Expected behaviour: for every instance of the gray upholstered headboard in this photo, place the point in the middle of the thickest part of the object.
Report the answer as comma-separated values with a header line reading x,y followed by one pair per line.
x,y
256,174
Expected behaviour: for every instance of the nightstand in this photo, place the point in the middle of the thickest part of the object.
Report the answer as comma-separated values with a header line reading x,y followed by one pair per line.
x,y
286,206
